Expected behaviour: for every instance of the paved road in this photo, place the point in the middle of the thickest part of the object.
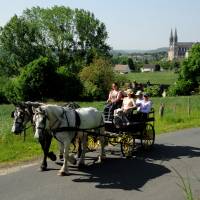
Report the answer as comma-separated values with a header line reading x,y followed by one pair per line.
x,y
149,176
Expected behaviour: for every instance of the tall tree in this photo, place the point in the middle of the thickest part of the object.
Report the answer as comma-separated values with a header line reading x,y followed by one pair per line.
x,y
72,37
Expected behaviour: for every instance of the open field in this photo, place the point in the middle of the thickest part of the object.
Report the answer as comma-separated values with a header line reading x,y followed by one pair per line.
x,y
176,116
167,78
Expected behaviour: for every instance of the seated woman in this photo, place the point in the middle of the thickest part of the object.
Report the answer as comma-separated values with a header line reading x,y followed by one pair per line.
x,y
128,105
114,101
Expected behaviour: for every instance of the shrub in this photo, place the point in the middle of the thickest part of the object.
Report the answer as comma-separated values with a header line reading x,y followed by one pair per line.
x,y
37,80
11,91
181,87
97,79
154,91
69,84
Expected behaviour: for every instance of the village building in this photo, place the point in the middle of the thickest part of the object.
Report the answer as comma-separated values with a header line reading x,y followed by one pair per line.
x,y
148,68
122,69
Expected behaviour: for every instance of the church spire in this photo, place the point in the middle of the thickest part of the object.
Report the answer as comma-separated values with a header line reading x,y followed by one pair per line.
x,y
175,36
171,39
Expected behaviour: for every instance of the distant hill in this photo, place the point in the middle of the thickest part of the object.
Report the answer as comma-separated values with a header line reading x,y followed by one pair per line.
x,y
163,49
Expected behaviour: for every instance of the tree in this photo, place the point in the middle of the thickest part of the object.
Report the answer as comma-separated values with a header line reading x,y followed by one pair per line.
x,y
157,67
38,80
72,37
97,79
189,73
131,64
190,68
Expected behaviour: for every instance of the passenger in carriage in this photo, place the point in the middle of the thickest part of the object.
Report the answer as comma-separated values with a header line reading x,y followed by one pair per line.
x,y
140,98
128,105
114,101
145,106
128,102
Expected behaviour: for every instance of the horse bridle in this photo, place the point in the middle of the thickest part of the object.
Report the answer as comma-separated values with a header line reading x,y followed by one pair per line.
x,y
21,122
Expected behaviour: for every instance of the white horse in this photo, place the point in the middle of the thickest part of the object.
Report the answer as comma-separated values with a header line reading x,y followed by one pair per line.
x,y
62,122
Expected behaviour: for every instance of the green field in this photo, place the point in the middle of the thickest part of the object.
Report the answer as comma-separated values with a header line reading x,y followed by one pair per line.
x,y
167,78
176,116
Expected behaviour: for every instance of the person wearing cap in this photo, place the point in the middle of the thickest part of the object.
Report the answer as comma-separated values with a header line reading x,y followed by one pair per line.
x,y
146,104
139,96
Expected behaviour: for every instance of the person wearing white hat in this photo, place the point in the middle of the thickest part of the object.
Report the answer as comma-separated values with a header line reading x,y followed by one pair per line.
x,y
139,99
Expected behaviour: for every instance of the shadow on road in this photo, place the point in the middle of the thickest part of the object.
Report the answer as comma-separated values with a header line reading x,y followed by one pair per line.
x,y
119,173
165,152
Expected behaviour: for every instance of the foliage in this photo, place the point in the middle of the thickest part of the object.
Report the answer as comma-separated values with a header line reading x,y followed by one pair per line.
x,y
157,67
190,68
180,88
153,91
69,84
131,64
72,37
38,80
97,79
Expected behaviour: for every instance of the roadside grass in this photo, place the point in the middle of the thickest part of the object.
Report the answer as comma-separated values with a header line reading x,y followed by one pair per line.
x,y
176,116
167,77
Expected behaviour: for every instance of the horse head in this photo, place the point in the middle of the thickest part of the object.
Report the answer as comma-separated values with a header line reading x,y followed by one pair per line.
x,y
20,118
40,120
22,115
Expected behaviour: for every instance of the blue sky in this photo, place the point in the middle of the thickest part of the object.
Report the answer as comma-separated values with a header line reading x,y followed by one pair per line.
x,y
131,24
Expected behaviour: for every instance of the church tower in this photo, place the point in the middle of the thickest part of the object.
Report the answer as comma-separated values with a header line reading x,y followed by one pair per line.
x,y
171,39
175,37
177,50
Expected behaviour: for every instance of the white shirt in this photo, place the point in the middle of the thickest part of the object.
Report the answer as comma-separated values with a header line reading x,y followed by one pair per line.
x,y
145,106
138,101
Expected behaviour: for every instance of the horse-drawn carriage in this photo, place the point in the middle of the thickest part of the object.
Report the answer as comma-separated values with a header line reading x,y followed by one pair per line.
x,y
126,133
64,122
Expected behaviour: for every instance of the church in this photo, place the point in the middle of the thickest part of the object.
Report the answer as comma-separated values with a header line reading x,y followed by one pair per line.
x,y
177,50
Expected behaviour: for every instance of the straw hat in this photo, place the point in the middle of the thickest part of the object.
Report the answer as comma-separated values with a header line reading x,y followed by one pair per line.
x,y
129,91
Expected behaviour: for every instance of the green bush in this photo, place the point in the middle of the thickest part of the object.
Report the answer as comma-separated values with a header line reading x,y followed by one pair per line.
x,y
69,84
11,91
97,79
153,91
37,81
181,87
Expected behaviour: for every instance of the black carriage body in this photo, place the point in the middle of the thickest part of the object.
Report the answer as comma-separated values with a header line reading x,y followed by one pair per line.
x,y
126,133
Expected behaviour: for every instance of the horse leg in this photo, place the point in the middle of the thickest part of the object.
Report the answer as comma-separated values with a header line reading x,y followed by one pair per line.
x,y
61,149
43,165
83,145
45,142
102,139
66,138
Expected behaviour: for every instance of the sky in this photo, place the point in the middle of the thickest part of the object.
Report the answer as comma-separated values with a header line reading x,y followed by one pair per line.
x,y
131,24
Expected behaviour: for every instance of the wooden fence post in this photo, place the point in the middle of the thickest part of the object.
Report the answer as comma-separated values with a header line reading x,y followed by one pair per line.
x,y
189,108
174,108
161,110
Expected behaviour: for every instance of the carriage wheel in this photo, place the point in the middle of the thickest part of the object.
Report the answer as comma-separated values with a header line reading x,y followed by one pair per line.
x,y
93,143
127,145
148,137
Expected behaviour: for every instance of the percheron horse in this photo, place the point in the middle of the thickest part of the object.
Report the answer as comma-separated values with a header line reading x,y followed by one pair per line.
x,y
63,123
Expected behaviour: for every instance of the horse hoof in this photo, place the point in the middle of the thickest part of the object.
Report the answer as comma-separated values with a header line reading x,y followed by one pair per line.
x,y
42,169
63,174
52,156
